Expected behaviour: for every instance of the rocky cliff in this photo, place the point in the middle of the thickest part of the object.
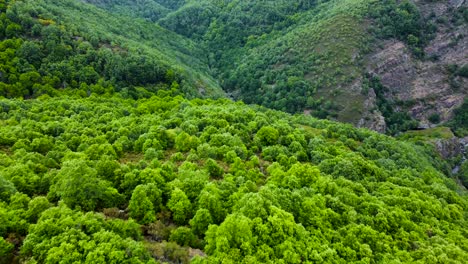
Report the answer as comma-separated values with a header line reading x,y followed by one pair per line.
x,y
429,86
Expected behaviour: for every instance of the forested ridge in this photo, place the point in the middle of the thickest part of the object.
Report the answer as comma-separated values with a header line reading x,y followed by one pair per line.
x,y
46,51
105,180
118,144
303,56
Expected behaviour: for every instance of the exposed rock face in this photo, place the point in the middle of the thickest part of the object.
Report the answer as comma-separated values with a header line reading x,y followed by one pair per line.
x,y
426,84
372,117
449,148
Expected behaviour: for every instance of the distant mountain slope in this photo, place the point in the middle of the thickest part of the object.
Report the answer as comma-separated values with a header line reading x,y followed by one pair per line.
x,y
305,66
318,56
70,44
386,65
433,85
148,9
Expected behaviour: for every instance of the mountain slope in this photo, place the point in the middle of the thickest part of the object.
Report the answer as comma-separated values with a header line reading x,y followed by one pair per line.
x,y
148,9
110,154
360,61
50,44
325,57
432,87
112,179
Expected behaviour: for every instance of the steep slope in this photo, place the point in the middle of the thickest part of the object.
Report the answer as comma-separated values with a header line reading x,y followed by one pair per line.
x,y
70,44
107,157
308,65
117,180
148,9
432,87
387,65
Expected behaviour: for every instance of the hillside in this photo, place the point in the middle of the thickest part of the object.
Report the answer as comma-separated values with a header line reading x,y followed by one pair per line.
x,y
196,131
382,65
55,45
109,179
324,57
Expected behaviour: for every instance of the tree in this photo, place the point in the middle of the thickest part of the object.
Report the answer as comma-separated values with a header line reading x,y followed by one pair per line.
x,y
213,168
141,207
183,236
80,236
36,206
210,198
6,250
201,221
184,142
267,136
6,189
180,206
78,185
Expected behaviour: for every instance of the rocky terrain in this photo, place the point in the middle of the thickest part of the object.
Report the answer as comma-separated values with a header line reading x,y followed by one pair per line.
x,y
428,86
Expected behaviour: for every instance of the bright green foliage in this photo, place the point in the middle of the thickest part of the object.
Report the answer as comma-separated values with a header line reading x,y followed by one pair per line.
x,y
78,185
183,236
44,50
201,221
211,199
62,235
180,206
6,189
295,189
6,249
214,169
267,136
102,148
141,205
36,206
184,142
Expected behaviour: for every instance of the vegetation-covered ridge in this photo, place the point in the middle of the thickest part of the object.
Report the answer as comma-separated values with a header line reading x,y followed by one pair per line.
x,y
304,55
114,180
66,46
316,56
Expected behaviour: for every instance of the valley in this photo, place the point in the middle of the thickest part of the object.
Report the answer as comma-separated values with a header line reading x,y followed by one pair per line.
x,y
229,131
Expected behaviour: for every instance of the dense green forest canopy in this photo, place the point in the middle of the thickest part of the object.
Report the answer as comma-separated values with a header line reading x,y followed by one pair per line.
x,y
110,154
45,49
107,179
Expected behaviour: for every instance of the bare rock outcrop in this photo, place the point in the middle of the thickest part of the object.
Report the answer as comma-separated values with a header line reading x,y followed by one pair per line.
x,y
449,148
372,118
427,86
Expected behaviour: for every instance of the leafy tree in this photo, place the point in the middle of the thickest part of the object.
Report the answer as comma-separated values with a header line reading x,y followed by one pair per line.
x,y
79,236
201,221
6,250
267,136
78,185
180,206
36,206
183,236
184,142
141,207
7,189
214,169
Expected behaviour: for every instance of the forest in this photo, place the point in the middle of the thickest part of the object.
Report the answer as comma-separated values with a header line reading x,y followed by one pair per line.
x,y
120,141
112,180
